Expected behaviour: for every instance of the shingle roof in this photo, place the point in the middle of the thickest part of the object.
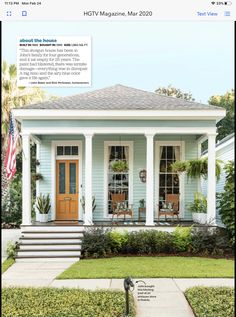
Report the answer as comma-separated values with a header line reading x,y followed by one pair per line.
x,y
120,97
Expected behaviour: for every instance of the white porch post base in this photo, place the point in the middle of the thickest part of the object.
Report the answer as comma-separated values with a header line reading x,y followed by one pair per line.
x,y
150,181
88,215
211,183
26,181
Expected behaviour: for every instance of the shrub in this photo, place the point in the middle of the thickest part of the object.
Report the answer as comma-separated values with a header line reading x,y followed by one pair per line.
x,y
211,301
182,239
12,248
148,242
12,206
227,201
207,240
118,240
96,243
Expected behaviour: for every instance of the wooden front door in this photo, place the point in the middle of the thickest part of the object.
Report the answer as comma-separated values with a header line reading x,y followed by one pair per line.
x,y
67,189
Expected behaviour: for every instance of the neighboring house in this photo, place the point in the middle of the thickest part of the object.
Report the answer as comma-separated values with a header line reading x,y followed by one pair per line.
x,y
225,152
78,137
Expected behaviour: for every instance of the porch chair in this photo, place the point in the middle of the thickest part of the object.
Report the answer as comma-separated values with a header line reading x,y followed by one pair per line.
x,y
119,206
174,211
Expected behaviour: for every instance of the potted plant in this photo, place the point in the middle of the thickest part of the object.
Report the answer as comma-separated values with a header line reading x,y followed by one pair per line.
x,y
199,208
82,201
195,168
43,205
142,203
119,166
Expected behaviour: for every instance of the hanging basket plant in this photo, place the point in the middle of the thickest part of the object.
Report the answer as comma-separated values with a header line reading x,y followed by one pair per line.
x,y
195,168
119,166
37,176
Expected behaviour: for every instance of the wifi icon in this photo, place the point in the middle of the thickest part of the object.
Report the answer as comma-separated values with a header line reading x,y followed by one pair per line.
x,y
213,2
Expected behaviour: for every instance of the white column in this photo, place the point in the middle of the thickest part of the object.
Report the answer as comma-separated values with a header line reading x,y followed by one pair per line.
x,y
211,182
26,180
149,181
88,216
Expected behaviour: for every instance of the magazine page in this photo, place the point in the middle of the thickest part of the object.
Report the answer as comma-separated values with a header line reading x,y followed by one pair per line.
x,y
117,158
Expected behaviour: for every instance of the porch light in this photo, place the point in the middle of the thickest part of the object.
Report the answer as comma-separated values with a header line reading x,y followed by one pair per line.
x,y
143,175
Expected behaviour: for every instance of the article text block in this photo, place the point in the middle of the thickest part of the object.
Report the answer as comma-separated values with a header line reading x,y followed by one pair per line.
x,y
58,61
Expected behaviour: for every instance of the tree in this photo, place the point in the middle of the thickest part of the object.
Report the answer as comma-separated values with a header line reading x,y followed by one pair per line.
x,y
174,92
13,97
227,201
226,101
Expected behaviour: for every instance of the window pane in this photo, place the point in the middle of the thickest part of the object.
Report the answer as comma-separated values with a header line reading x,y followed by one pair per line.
x,y
169,168
169,180
75,150
175,180
163,152
67,150
62,178
162,180
59,150
163,166
72,178
169,152
176,190
118,182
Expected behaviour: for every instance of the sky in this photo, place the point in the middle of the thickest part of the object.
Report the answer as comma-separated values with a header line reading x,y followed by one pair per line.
x,y
197,57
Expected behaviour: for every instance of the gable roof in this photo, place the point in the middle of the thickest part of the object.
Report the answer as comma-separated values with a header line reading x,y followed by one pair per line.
x,y
121,97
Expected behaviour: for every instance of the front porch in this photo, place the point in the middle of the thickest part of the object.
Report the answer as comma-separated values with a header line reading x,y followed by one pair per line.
x,y
142,148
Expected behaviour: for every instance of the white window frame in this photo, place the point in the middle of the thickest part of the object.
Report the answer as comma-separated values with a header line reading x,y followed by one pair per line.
x,y
130,144
181,144
54,158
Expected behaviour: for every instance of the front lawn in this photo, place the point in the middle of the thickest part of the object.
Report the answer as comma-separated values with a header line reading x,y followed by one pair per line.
x,y
120,267
52,302
6,264
211,301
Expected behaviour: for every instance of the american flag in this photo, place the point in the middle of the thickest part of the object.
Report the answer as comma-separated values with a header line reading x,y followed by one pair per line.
x,y
10,161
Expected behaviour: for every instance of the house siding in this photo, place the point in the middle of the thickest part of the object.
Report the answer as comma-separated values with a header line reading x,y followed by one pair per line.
x,y
139,162
224,154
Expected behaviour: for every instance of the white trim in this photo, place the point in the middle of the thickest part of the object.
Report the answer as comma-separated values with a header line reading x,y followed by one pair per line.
x,y
118,130
181,144
26,180
54,157
88,213
130,144
150,180
54,114
38,144
221,146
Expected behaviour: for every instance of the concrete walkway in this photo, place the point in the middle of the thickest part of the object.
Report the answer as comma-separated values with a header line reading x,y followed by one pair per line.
x,y
162,297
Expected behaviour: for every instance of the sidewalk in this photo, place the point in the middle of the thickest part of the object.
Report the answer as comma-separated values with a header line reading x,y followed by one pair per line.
x,y
165,298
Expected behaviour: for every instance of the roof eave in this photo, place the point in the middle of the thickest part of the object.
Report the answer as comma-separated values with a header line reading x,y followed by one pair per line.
x,y
56,114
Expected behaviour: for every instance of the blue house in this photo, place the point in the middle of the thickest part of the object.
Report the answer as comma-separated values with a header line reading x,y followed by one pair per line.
x,y
79,137
224,150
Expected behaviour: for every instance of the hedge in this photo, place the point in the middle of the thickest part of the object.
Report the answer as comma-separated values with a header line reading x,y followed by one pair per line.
x,y
98,243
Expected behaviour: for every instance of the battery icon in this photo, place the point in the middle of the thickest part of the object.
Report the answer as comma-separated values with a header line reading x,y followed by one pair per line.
x,y
228,3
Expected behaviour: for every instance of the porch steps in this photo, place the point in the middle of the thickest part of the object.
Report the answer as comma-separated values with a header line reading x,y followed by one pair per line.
x,y
50,243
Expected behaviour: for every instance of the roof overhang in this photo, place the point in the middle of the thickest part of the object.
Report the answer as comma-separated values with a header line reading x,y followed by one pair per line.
x,y
56,114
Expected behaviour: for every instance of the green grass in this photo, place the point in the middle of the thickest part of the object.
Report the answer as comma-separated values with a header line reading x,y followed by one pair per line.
x,y
211,301
6,264
120,267
53,302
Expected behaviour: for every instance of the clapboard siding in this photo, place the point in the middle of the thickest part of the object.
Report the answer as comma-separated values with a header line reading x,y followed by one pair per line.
x,y
139,163
225,154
